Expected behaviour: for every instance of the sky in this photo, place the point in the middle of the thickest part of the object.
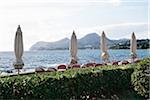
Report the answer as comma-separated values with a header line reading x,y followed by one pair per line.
x,y
52,20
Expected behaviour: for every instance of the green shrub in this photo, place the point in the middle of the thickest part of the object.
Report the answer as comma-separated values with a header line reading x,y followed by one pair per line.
x,y
140,78
102,82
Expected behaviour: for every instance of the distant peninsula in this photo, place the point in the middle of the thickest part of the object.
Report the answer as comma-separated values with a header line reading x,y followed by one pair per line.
x,y
90,41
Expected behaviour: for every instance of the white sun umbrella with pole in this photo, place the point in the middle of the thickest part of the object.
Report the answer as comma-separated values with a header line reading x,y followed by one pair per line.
x,y
18,49
104,55
73,49
133,47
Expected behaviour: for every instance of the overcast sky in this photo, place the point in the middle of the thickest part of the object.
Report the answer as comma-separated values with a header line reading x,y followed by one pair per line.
x,y
51,20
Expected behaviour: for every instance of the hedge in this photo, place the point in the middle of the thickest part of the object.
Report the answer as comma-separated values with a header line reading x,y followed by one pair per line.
x,y
107,82
140,78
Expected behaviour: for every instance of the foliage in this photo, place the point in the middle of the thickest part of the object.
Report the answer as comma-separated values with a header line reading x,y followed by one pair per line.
x,y
104,82
141,44
140,78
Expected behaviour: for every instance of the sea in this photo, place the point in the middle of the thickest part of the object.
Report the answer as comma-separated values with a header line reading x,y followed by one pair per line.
x,y
52,58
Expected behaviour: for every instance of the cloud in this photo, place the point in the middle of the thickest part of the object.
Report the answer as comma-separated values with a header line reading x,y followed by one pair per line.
x,y
118,31
51,20
115,2
113,31
124,30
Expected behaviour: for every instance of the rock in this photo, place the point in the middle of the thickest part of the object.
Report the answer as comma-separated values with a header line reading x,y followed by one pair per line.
x,y
115,63
137,60
9,71
50,69
83,65
39,69
4,74
125,62
105,64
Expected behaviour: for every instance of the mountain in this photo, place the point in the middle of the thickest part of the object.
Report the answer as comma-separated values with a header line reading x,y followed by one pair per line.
x,y
61,44
39,45
64,44
91,40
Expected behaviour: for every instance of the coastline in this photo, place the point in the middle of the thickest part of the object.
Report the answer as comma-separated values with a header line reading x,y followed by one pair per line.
x,y
13,72
67,49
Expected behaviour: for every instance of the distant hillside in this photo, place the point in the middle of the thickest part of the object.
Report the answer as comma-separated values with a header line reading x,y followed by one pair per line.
x,y
91,40
141,44
61,44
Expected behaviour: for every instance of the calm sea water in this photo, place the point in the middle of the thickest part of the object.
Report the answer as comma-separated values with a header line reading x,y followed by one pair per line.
x,y
51,58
